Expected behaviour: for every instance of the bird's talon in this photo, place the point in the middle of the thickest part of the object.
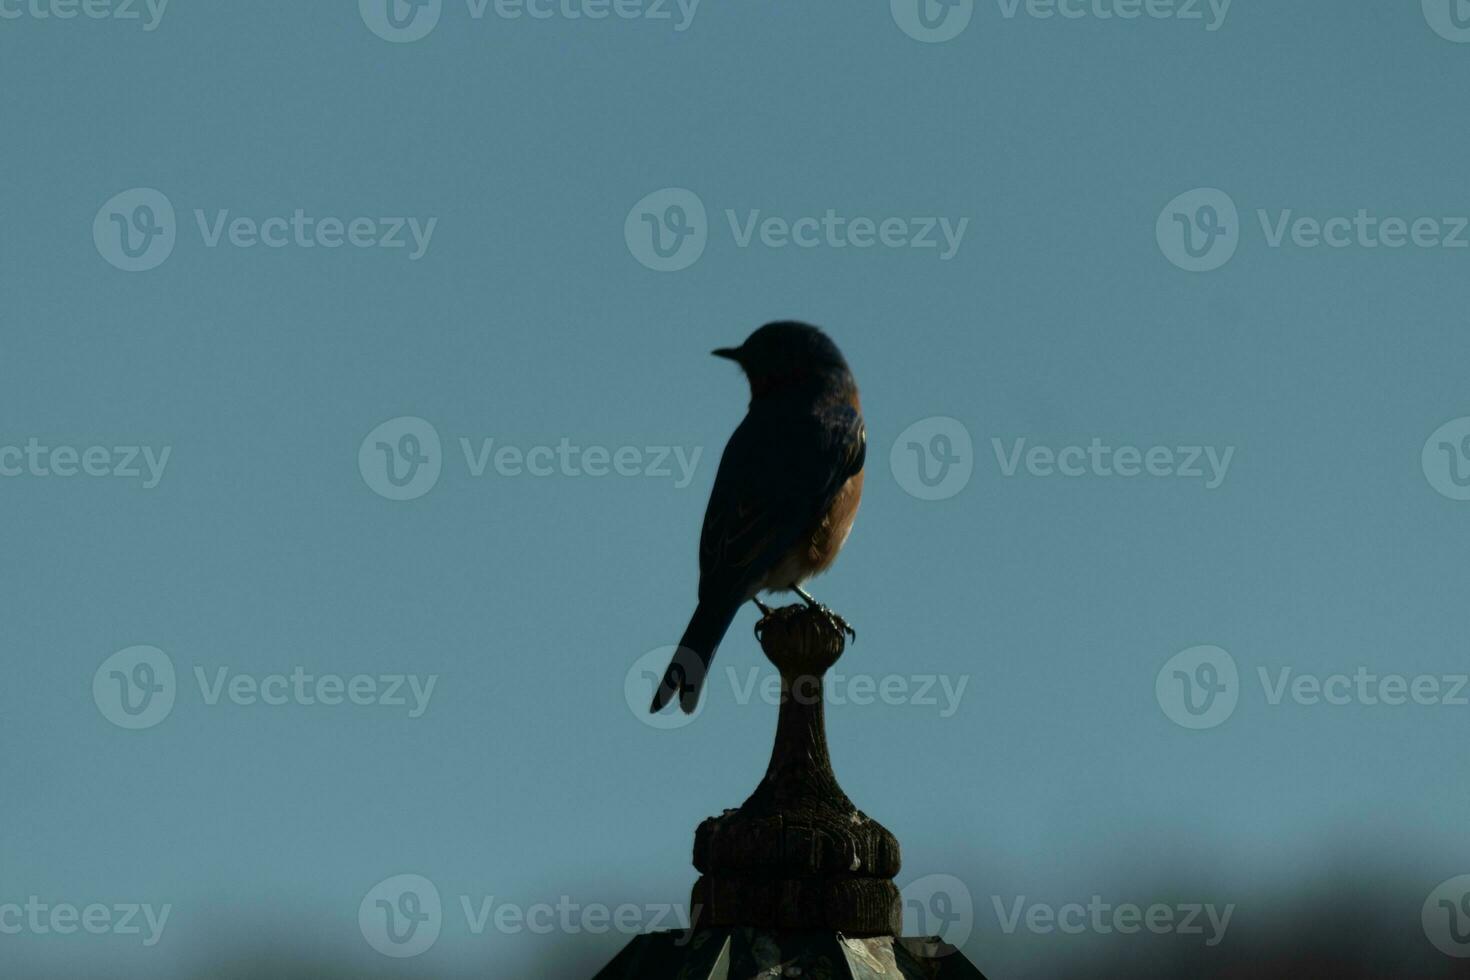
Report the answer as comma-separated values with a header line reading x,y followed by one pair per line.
x,y
836,621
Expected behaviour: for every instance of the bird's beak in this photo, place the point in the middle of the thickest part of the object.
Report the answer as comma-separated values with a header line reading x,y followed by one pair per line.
x,y
729,353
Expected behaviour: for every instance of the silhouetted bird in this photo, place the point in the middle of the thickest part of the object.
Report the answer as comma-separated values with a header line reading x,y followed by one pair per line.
x,y
786,492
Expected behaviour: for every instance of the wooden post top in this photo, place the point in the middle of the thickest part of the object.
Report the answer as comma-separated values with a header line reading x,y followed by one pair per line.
x,y
798,855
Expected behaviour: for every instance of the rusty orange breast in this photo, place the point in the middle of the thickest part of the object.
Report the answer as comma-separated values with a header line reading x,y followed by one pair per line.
x,y
831,532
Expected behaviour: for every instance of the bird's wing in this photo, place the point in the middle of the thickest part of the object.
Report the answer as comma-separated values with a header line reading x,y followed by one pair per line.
x,y
776,478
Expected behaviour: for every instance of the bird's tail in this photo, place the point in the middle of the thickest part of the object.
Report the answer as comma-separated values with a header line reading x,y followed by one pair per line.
x,y
690,663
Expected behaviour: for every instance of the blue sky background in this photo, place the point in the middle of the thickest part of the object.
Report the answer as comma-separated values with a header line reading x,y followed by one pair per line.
x,y
529,320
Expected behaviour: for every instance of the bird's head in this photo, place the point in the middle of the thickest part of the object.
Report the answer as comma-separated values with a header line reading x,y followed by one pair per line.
x,y
789,357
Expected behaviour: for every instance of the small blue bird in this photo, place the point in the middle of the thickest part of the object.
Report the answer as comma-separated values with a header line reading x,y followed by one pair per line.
x,y
785,495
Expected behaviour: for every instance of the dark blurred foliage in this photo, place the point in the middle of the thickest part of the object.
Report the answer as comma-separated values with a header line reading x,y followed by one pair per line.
x,y
1348,927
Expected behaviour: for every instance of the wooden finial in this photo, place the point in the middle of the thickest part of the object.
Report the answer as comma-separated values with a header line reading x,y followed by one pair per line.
x,y
797,855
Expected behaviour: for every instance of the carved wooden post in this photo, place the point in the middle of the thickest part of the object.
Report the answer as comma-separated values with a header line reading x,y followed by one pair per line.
x,y
797,882
798,855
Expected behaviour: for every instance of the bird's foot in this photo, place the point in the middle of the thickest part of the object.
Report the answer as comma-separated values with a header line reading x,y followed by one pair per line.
x,y
836,621
766,613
